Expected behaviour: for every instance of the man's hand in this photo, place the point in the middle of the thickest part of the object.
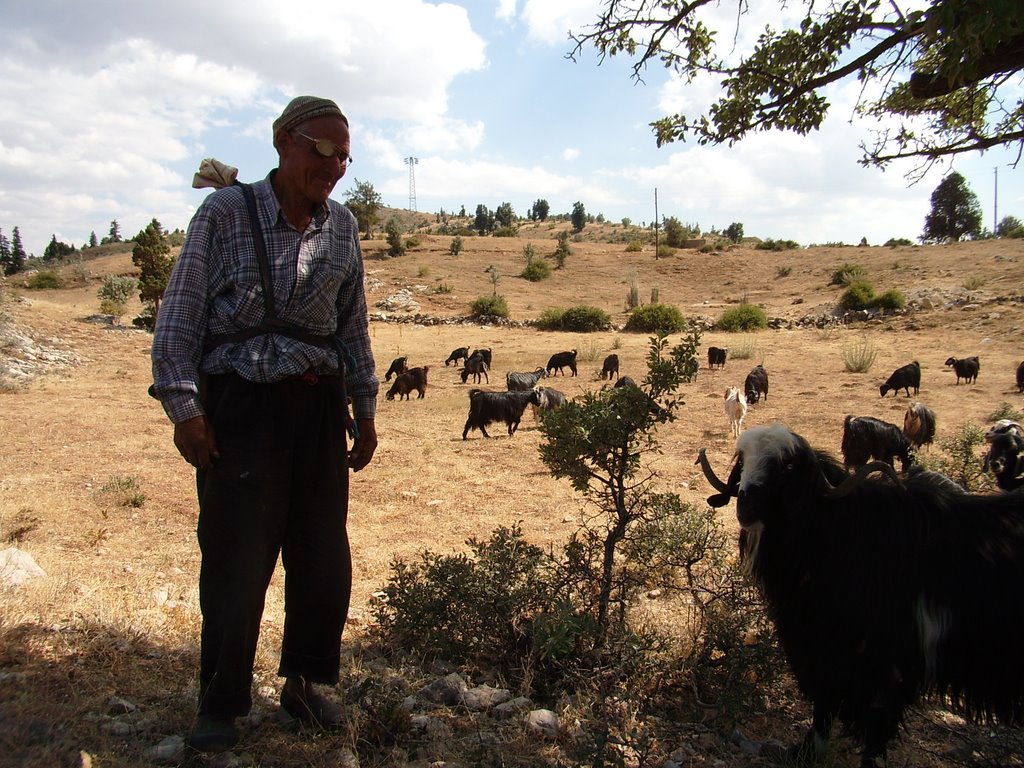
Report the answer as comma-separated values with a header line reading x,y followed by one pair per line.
x,y
364,445
195,442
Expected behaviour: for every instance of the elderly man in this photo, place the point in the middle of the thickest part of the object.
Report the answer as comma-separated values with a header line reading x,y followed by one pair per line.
x,y
261,344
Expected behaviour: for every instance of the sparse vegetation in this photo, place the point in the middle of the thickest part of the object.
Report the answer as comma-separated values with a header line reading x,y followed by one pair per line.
x,y
489,306
43,280
579,319
634,246
114,294
456,245
857,296
783,270
846,274
777,245
859,355
973,282
744,348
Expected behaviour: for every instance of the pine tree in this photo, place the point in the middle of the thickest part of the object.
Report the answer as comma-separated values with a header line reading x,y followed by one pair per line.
x,y
6,261
579,217
93,241
151,255
955,212
115,233
18,255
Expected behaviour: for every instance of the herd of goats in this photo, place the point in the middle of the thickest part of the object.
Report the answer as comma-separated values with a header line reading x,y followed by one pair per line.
x,y
884,586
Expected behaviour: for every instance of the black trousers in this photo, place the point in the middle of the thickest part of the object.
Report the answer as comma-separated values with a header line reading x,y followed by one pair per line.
x,y
280,486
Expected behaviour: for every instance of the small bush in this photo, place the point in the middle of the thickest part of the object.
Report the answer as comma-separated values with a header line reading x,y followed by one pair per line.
x,y
43,280
783,271
891,300
858,295
634,246
489,306
412,242
665,251
858,356
123,491
1006,411
846,274
973,283
745,317
744,349
962,462
536,270
656,318
444,288
777,245
114,294
505,232
892,242
423,271
455,248
585,319
550,320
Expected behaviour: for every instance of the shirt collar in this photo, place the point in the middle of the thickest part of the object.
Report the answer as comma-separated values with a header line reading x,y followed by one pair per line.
x,y
266,190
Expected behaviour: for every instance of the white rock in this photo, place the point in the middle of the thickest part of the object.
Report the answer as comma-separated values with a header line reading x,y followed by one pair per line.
x,y
18,567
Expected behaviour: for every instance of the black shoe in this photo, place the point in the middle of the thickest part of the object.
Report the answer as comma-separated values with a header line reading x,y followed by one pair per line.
x,y
212,734
311,708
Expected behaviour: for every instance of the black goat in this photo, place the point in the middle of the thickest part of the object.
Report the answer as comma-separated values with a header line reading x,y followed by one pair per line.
x,y
398,366
756,384
1005,457
905,378
486,407
405,383
483,354
477,367
1020,376
919,425
516,381
549,400
881,593
966,368
610,366
716,356
865,438
561,360
459,353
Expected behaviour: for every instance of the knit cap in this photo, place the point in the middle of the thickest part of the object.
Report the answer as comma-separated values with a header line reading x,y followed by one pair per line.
x,y
303,108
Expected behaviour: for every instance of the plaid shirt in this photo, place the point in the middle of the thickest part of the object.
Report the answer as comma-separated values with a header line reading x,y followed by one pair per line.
x,y
215,288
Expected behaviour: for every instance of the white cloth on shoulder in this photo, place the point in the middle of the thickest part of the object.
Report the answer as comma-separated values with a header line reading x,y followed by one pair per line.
x,y
214,173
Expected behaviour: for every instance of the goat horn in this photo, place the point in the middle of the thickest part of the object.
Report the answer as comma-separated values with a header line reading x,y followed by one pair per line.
x,y
854,481
709,473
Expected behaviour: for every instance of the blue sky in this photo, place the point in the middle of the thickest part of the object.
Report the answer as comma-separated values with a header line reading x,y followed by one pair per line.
x,y
109,107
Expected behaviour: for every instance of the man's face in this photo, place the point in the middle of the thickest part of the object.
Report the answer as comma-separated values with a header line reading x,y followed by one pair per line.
x,y
303,167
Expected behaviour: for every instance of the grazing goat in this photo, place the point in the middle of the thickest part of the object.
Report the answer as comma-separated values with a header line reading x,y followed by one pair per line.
x,y
561,360
716,356
485,407
516,381
756,384
905,377
610,366
413,379
1005,457
549,400
483,354
865,438
477,367
881,592
459,353
1020,376
966,368
398,366
919,425
735,409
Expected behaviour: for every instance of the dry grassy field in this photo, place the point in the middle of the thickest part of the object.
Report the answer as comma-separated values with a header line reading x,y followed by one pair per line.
x,y
92,487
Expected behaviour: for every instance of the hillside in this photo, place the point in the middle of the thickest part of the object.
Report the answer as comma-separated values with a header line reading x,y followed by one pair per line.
x,y
93,489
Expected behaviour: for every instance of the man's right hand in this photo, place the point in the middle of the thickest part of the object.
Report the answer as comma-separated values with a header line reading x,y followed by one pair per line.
x,y
195,442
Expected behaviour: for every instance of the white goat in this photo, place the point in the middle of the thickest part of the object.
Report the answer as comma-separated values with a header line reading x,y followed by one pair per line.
x,y
735,409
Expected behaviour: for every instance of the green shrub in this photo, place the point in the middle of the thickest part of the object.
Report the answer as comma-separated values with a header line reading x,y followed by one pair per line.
x,y
777,245
412,242
43,280
858,356
656,318
846,274
550,320
505,232
973,283
585,319
891,300
634,246
892,242
444,288
489,306
455,248
114,294
745,317
665,251
536,270
961,462
783,271
858,295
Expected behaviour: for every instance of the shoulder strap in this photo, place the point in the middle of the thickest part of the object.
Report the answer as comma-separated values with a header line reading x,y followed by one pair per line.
x,y
266,278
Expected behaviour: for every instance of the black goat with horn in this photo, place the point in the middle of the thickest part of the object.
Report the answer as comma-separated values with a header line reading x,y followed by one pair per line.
x,y
882,591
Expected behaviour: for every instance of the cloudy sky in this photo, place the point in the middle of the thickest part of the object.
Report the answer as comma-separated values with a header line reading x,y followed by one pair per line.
x,y
110,105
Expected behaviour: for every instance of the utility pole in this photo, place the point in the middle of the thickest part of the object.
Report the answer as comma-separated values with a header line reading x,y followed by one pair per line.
x,y
995,203
411,162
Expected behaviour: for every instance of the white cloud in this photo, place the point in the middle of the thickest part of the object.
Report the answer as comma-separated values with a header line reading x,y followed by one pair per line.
x,y
506,10
570,153
550,21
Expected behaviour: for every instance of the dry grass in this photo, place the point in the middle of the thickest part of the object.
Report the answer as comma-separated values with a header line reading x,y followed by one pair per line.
x,y
118,613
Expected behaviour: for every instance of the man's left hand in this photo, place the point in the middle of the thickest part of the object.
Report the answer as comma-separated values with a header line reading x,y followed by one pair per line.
x,y
363,446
